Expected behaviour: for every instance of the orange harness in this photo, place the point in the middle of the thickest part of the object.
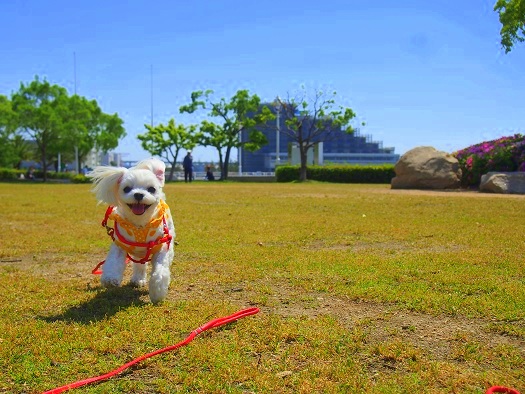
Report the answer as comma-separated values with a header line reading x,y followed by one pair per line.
x,y
145,248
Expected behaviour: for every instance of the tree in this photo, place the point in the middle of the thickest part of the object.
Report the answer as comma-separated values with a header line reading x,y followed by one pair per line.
x,y
213,135
512,18
40,107
166,141
108,131
314,121
241,114
58,122
14,147
88,127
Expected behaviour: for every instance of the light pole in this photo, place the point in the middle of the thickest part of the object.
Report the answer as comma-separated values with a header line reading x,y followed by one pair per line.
x,y
278,132
77,164
151,93
239,154
239,151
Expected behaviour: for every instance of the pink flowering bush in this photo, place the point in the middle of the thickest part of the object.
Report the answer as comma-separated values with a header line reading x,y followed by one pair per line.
x,y
503,154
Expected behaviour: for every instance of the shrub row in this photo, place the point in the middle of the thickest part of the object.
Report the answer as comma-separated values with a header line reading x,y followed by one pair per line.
x,y
331,173
11,174
54,175
80,179
339,173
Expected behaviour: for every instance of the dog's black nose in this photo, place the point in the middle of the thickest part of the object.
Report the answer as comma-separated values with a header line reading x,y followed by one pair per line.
x,y
138,196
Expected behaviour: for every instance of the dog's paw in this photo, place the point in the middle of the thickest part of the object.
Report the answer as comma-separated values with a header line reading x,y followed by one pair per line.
x,y
157,295
154,300
109,282
158,289
138,282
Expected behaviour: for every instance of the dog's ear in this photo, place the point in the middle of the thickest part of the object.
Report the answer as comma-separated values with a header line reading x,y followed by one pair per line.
x,y
156,166
159,169
107,180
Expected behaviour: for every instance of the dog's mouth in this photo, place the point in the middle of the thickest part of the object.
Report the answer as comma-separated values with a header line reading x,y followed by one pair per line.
x,y
138,208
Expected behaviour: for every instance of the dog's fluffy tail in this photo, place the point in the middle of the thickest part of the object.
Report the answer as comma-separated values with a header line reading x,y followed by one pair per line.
x,y
106,180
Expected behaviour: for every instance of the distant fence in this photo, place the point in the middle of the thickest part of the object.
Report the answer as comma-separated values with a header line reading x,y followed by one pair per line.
x,y
234,176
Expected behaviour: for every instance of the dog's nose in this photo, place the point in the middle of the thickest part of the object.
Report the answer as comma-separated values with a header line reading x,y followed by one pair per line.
x,y
138,196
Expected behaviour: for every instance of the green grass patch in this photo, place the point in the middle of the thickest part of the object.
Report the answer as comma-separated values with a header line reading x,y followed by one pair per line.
x,y
361,289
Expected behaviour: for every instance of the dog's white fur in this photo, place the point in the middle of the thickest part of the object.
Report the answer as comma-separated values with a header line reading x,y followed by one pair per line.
x,y
119,187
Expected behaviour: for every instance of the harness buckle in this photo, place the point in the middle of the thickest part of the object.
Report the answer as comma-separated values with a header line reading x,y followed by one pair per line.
x,y
110,231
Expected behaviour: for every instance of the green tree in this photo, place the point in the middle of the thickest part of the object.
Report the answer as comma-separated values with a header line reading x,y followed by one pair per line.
x,y
312,121
213,135
58,123
14,147
166,141
242,113
40,107
108,130
87,127
512,18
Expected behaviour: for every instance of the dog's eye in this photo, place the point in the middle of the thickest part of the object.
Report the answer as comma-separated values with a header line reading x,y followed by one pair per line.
x,y
127,189
151,190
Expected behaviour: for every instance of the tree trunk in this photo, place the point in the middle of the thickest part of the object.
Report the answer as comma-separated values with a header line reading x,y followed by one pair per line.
x,y
303,150
224,176
44,163
172,171
303,154
221,164
173,162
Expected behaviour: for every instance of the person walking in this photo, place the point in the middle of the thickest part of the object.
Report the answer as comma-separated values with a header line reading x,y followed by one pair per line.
x,y
187,164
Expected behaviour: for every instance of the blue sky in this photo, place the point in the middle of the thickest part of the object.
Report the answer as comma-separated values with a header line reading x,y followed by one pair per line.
x,y
417,72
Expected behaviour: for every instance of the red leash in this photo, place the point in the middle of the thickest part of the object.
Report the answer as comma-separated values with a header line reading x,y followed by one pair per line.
x,y
211,324
501,389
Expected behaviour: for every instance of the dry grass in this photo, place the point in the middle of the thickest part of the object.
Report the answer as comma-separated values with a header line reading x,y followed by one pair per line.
x,y
361,289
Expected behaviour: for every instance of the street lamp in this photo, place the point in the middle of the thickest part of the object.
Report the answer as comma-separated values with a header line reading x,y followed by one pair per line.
x,y
239,154
239,151
277,132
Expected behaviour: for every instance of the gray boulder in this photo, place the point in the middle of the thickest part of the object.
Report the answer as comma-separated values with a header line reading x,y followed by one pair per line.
x,y
503,182
425,167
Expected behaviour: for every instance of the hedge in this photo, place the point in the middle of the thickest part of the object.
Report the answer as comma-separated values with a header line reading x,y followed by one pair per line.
x,y
12,174
330,173
80,179
339,173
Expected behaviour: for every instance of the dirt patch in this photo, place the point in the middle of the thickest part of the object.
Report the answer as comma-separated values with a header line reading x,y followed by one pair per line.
x,y
386,247
436,336
442,193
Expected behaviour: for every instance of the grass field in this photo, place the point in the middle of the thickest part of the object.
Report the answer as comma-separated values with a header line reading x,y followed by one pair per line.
x,y
361,289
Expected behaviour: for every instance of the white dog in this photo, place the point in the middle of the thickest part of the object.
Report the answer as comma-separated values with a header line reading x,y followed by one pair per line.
x,y
143,226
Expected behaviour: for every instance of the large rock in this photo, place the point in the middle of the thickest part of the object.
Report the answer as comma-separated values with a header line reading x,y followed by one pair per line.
x,y
503,182
425,167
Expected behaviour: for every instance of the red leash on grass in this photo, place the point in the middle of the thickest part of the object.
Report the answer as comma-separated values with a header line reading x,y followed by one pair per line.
x,y
501,389
211,324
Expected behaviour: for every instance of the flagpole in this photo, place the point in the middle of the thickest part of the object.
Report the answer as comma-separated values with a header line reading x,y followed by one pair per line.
x,y
77,164
151,92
